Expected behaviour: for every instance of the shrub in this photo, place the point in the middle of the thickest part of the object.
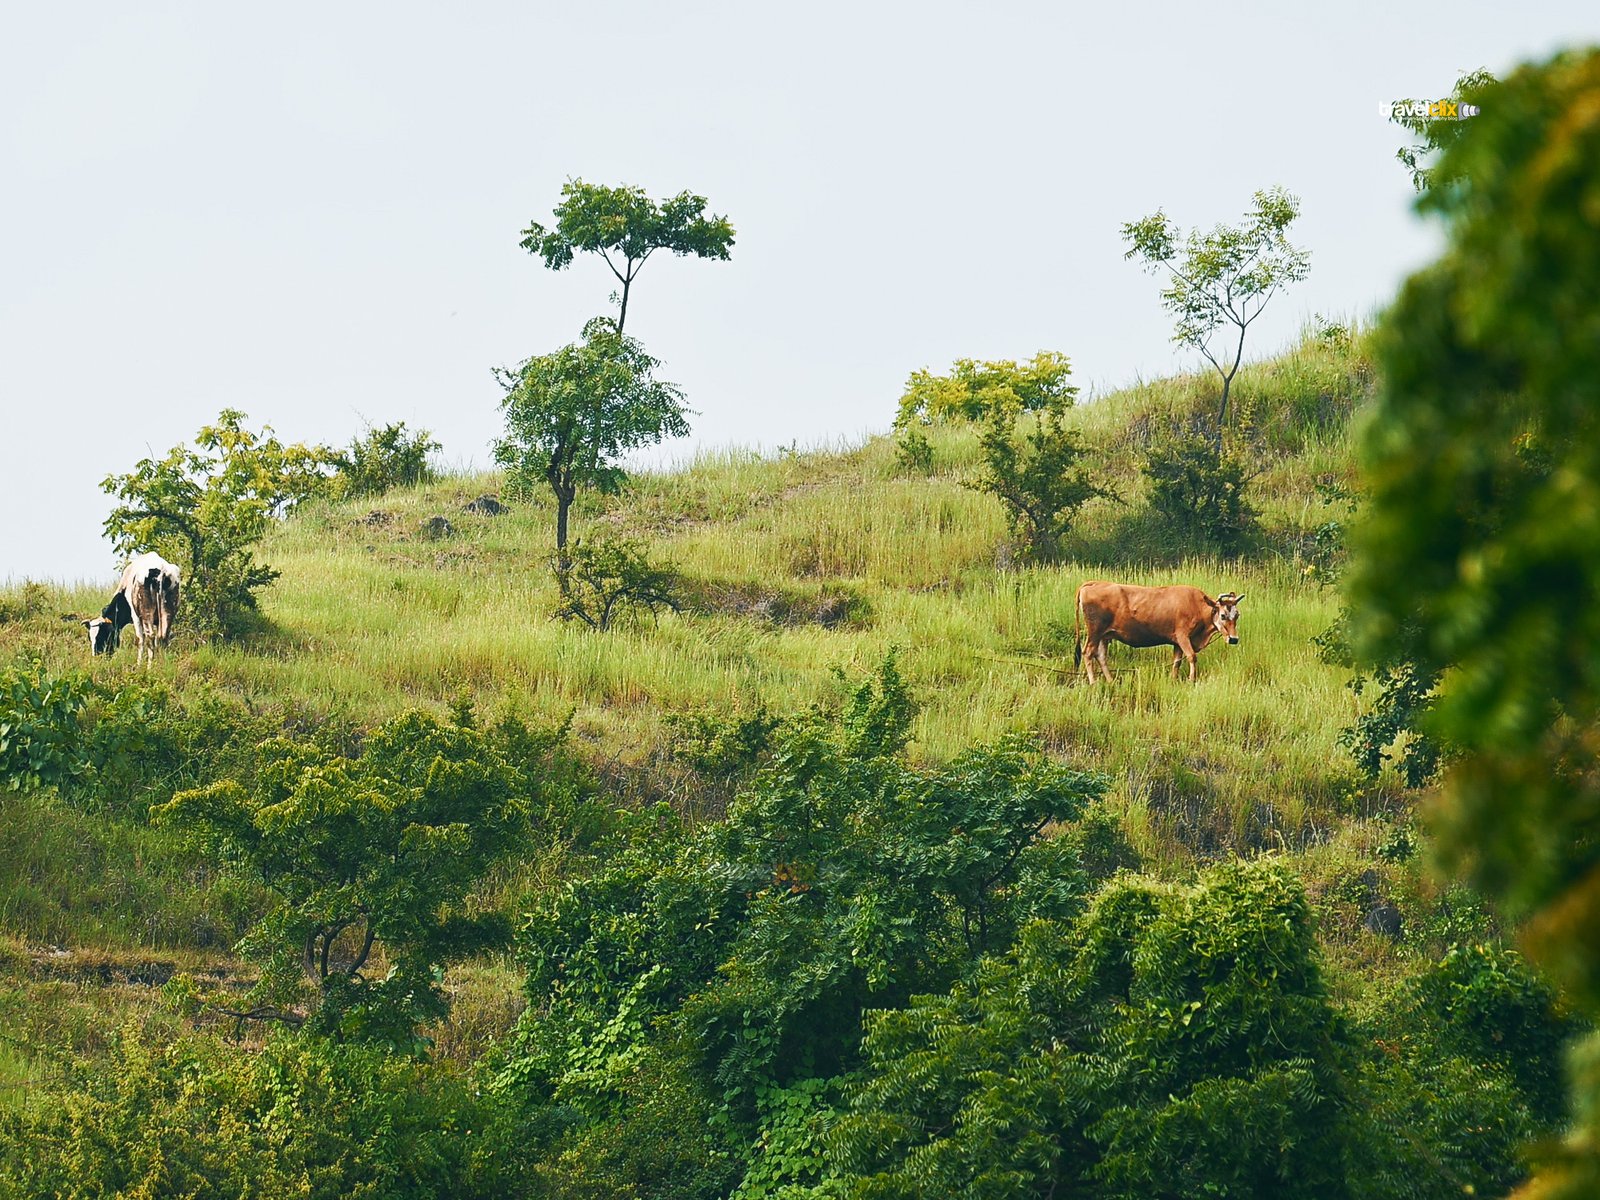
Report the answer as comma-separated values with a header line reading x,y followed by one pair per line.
x,y
1037,476
1199,492
382,459
603,578
201,1120
41,740
205,508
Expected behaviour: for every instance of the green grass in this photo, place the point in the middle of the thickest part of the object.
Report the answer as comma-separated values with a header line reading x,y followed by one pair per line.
x,y
370,617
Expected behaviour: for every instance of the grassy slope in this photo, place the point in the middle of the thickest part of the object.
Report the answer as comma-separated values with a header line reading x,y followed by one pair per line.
x,y
370,617
374,617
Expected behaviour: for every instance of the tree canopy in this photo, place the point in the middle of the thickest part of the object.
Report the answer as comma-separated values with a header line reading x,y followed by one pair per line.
x,y
370,858
1477,555
973,389
625,227
1434,132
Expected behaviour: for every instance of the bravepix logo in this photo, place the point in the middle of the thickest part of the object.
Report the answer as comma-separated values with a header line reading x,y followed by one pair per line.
x,y
1429,110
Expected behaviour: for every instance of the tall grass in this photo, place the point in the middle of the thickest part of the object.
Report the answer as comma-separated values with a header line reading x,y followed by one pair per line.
x,y
371,617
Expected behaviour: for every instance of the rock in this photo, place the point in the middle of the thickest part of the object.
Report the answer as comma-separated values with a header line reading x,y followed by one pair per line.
x,y
1383,918
377,517
435,528
488,506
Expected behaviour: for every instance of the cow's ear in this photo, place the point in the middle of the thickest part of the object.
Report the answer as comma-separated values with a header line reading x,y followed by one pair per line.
x,y
1238,598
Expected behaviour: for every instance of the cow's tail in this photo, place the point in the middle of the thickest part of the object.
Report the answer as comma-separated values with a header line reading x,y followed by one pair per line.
x,y
1077,637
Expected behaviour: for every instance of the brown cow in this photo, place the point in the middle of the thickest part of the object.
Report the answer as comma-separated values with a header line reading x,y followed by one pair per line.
x,y
1182,617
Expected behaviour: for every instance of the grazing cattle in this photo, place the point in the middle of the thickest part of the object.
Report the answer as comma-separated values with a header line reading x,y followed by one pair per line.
x,y
147,599
1182,617
105,631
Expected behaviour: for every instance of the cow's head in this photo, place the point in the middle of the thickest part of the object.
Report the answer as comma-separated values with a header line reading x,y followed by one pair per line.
x,y
1226,618
102,635
106,629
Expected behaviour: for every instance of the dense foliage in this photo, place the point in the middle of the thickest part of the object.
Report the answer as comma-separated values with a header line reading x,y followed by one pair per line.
x,y
306,1119
371,859
1478,554
1198,491
973,389
383,458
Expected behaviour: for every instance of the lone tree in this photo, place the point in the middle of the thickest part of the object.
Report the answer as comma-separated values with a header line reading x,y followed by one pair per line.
x,y
625,227
571,416
207,506
1220,281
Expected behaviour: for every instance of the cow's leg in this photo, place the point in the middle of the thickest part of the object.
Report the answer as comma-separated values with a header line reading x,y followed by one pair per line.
x,y
1105,671
1184,649
1088,656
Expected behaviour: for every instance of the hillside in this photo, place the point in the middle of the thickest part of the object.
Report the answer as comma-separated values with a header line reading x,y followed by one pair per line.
x,y
803,572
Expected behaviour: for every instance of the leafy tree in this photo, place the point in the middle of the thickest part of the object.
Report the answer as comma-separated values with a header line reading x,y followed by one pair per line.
x,y
383,458
625,227
206,508
1219,282
371,860
571,415
608,576
1166,1043
1037,474
1434,132
1477,554
973,390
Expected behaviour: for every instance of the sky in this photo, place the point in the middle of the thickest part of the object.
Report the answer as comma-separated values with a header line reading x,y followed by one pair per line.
x,y
312,212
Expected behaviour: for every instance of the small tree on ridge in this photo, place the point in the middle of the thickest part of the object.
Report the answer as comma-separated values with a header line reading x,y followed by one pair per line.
x,y
572,414
625,227
1220,281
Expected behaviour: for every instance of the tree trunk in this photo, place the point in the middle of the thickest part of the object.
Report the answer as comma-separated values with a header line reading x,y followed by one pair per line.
x,y
622,317
564,498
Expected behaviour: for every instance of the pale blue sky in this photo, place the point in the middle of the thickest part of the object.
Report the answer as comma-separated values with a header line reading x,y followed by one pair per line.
x,y
311,212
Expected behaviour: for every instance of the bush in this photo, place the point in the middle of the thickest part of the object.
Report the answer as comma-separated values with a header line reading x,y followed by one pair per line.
x,y
41,739
382,459
206,508
1168,1042
1485,1004
1199,492
601,579
205,1121
372,858
1037,476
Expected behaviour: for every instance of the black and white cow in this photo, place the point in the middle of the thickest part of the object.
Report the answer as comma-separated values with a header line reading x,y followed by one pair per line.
x,y
147,599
